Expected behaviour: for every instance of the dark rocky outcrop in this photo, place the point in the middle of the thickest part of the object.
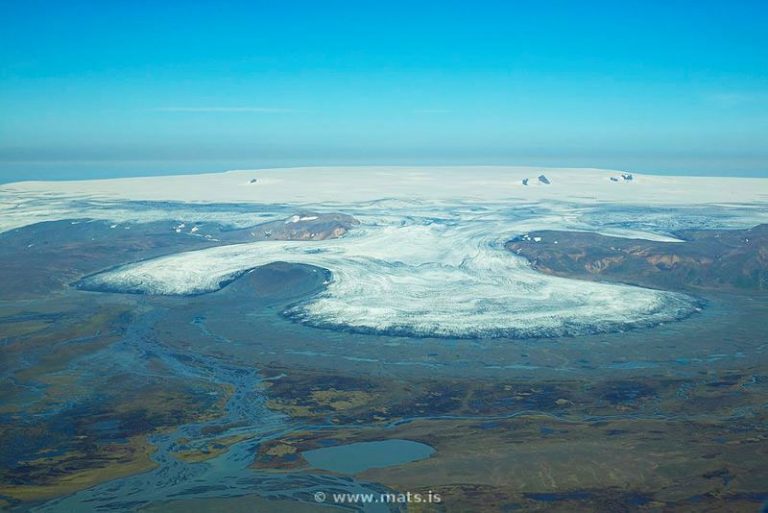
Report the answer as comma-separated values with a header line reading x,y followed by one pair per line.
x,y
713,259
303,226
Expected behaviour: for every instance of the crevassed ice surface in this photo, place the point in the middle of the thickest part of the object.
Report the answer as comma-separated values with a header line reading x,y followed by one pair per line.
x,y
417,276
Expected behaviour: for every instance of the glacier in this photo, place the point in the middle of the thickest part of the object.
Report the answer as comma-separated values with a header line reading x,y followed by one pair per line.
x,y
416,276
428,258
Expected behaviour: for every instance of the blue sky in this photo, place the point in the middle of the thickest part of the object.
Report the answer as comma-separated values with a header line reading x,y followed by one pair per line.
x,y
93,88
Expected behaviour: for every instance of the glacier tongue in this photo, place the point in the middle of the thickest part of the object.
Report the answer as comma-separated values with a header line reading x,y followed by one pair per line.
x,y
413,276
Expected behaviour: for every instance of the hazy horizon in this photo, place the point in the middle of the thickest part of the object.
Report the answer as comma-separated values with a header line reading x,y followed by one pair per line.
x,y
46,171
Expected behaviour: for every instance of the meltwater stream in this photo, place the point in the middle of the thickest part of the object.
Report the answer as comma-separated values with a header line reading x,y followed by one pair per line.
x,y
226,475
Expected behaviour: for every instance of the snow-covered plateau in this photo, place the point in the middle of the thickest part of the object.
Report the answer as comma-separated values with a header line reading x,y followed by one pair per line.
x,y
428,258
